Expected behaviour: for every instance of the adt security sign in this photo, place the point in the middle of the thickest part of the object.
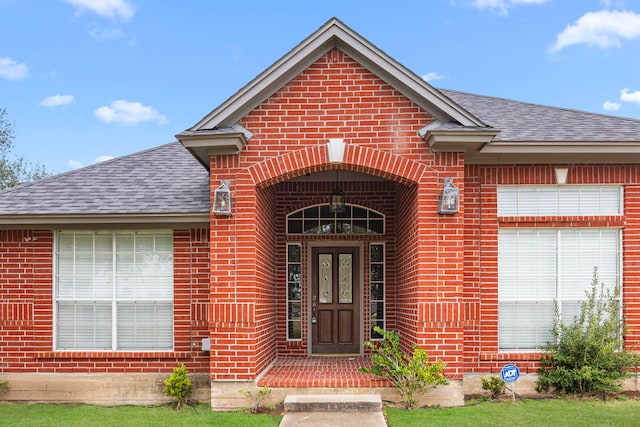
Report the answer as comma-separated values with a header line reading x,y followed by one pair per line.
x,y
510,373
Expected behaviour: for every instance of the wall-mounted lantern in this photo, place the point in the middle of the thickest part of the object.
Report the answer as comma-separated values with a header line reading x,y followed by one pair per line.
x,y
222,198
449,199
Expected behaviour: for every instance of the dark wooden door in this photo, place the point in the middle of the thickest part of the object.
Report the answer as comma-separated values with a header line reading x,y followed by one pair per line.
x,y
335,300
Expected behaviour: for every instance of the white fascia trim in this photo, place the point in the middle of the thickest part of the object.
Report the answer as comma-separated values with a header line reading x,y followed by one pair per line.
x,y
553,147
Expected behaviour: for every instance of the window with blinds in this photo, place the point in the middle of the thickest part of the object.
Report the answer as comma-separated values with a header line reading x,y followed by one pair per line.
x,y
538,266
560,200
114,290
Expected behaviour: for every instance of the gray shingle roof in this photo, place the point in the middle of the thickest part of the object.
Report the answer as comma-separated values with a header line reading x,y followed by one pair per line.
x,y
162,180
170,180
521,121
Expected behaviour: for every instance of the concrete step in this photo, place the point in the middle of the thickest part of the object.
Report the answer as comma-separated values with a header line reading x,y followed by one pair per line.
x,y
333,419
333,410
333,403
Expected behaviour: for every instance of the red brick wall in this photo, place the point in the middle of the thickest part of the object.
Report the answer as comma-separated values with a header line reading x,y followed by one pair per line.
x,y
26,310
335,98
481,267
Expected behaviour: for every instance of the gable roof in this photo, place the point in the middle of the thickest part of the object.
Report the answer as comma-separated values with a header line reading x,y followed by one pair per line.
x,y
219,132
522,121
162,184
530,132
334,33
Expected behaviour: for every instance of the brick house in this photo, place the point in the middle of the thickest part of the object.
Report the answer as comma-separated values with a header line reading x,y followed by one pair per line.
x,y
463,217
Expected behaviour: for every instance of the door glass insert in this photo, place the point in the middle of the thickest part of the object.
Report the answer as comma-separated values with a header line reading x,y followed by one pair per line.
x,y
376,268
345,277
294,292
325,279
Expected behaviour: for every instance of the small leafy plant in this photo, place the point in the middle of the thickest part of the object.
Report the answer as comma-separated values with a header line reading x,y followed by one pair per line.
x,y
494,384
257,398
408,374
4,386
588,356
178,385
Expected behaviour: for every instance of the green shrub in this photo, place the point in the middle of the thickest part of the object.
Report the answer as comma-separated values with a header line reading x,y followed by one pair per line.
x,y
494,384
4,386
178,385
587,356
409,374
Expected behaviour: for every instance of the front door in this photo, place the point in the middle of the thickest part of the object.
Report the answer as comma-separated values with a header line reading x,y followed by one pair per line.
x,y
335,300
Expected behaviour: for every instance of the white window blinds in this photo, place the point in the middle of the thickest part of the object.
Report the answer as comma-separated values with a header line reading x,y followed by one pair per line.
x,y
114,290
559,200
538,266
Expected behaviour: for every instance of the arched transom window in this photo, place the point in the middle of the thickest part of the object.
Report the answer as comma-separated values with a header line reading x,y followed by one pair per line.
x,y
319,220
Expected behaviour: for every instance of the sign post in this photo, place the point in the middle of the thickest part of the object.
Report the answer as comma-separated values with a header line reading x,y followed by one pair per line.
x,y
509,374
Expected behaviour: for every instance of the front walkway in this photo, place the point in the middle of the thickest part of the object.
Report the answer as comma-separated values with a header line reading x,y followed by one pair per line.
x,y
320,371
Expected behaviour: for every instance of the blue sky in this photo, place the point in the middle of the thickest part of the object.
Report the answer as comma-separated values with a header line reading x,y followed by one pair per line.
x,y
87,80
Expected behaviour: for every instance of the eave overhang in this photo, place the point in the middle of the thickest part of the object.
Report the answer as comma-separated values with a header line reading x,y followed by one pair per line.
x,y
205,143
559,152
50,221
468,141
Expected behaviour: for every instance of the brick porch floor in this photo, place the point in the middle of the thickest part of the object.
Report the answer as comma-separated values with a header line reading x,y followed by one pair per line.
x,y
320,371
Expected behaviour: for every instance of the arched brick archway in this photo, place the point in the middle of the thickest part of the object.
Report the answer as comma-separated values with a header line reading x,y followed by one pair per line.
x,y
357,158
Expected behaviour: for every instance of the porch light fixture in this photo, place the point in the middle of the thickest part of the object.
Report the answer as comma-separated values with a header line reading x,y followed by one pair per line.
x,y
222,199
449,199
336,200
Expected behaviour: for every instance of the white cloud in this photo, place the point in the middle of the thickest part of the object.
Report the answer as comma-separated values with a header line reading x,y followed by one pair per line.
x,y
611,106
432,76
102,158
502,6
128,113
627,96
56,100
107,8
11,70
75,164
602,29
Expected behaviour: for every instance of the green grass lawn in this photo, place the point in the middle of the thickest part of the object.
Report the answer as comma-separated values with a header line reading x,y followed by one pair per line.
x,y
579,413
557,412
49,415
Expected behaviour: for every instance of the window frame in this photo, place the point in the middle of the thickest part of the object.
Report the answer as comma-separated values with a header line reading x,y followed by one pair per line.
x,y
114,300
559,284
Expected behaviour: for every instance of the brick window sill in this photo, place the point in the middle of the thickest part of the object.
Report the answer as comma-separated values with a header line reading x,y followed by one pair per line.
x,y
59,355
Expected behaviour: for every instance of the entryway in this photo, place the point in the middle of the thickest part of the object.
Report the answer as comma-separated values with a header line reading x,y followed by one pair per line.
x,y
335,300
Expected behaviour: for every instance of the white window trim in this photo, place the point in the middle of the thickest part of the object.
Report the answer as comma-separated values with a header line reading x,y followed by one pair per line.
x,y
114,299
558,277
